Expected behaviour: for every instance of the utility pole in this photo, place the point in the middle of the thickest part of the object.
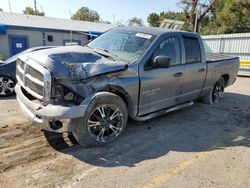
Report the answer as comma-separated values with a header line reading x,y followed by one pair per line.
x,y
196,18
10,7
35,6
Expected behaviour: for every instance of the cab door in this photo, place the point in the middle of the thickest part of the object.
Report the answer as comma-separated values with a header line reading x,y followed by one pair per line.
x,y
160,87
195,69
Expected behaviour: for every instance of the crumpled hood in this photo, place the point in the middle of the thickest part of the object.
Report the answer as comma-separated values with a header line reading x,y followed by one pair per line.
x,y
75,62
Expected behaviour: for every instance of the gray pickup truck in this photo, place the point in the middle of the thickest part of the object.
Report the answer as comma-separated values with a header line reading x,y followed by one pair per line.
x,y
139,73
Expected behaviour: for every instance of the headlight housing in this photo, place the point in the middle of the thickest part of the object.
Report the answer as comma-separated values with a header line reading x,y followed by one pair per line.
x,y
63,94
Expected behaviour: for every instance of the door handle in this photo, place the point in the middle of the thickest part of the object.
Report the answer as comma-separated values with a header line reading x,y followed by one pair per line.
x,y
178,74
201,70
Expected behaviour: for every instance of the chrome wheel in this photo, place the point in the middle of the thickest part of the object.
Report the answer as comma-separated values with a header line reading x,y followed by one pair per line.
x,y
7,86
105,123
218,92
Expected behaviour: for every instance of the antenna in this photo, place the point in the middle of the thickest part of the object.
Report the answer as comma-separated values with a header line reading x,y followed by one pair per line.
x,y
10,7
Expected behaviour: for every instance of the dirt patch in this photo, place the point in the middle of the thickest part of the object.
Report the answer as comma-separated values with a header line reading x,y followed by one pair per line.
x,y
33,158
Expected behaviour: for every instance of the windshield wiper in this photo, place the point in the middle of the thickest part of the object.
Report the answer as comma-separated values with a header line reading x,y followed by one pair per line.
x,y
104,52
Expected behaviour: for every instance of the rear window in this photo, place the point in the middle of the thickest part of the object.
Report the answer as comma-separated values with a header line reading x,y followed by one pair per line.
x,y
192,50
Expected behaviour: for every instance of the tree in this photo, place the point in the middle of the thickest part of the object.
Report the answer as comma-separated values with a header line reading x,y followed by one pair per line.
x,y
228,16
213,16
31,11
85,14
120,23
1,10
233,16
154,20
135,22
193,7
106,22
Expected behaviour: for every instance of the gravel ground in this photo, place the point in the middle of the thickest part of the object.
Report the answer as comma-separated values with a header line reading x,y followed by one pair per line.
x,y
200,146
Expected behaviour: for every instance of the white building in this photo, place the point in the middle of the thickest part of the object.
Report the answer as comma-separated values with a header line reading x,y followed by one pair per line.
x,y
20,31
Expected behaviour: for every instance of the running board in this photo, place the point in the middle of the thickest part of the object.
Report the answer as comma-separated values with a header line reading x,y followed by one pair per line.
x,y
159,113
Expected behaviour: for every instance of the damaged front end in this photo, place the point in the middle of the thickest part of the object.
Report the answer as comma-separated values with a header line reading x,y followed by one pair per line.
x,y
56,85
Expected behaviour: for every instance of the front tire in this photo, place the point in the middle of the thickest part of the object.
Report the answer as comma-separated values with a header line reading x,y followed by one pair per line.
x,y
216,94
103,122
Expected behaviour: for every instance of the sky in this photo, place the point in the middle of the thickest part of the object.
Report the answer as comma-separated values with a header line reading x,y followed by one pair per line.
x,y
109,10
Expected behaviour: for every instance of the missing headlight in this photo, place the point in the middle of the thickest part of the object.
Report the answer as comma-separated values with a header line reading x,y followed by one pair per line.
x,y
64,94
69,96
58,93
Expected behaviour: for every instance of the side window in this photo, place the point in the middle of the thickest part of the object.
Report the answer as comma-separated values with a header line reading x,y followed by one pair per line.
x,y
192,50
170,47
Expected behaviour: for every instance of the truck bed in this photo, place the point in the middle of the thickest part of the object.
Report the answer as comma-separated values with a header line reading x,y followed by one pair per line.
x,y
215,57
221,64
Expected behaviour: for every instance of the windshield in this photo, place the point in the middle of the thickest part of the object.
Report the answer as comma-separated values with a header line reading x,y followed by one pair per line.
x,y
124,45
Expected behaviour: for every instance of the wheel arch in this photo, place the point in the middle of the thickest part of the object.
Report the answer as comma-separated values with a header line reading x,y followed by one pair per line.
x,y
226,78
121,92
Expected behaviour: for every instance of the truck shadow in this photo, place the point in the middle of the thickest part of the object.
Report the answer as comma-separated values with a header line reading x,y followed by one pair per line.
x,y
7,97
198,128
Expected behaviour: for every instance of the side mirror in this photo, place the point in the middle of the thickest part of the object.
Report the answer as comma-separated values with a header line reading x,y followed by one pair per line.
x,y
161,61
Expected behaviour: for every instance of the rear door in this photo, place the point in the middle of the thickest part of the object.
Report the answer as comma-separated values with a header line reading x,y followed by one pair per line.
x,y
160,87
18,44
195,69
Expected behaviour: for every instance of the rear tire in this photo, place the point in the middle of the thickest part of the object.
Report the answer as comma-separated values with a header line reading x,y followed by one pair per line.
x,y
103,122
216,94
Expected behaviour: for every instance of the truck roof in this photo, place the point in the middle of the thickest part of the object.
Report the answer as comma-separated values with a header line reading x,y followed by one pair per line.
x,y
153,30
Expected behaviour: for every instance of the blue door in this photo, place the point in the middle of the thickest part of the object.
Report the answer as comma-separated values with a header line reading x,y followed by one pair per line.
x,y
18,44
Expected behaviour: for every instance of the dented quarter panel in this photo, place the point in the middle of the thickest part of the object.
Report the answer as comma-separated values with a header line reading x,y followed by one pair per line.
x,y
127,81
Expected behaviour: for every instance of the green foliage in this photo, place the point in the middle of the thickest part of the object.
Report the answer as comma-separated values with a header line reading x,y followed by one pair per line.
x,y
229,16
135,22
31,11
195,12
172,15
234,16
213,17
154,20
106,22
85,14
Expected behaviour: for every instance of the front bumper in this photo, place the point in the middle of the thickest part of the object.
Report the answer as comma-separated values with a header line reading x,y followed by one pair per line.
x,y
44,115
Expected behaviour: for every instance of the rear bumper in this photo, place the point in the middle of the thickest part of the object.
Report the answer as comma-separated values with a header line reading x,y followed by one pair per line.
x,y
44,115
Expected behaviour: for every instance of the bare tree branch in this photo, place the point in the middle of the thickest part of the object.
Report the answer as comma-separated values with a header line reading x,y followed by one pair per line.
x,y
210,6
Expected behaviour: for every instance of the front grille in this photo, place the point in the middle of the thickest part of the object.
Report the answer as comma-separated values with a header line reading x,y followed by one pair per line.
x,y
36,74
34,78
34,87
